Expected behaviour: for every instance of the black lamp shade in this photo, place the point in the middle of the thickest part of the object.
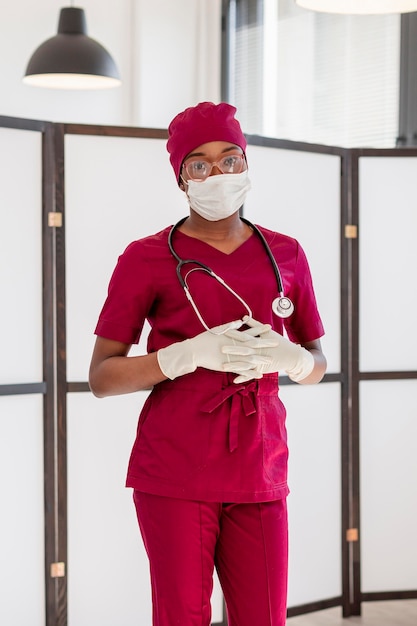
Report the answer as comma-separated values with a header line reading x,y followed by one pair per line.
x,y
71,59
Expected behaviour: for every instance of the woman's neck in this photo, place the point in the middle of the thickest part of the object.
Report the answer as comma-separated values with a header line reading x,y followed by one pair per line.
x,y
225,235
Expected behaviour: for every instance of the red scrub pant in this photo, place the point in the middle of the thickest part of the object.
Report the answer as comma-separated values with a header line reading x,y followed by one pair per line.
x,y
185,540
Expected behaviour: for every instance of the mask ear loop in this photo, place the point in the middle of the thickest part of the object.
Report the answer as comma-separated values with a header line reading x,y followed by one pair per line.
x,y
222,282
182,183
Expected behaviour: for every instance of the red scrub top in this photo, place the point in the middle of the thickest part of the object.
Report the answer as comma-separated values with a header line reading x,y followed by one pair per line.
x,y
200,436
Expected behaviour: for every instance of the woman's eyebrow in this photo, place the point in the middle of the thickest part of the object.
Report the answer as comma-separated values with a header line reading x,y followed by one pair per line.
x,y
201,154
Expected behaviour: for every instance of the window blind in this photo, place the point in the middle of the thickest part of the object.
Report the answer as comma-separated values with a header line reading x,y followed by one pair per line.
x,y
314,77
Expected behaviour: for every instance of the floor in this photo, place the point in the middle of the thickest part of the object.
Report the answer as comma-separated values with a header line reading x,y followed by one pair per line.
x,y
393,613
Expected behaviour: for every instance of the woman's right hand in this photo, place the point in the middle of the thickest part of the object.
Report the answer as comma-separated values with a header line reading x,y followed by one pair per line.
x,y
207,350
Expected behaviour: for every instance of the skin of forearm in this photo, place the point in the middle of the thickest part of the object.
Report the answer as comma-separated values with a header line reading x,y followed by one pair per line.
x,y
320,365
118,375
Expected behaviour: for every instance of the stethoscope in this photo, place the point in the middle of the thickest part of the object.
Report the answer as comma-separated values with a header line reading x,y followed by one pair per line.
x,y
282,306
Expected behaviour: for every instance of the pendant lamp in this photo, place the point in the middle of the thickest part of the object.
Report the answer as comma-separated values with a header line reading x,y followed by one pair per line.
x,y
359,7
71,59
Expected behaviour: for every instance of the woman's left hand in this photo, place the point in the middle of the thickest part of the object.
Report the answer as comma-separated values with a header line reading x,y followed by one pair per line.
x,y
271,352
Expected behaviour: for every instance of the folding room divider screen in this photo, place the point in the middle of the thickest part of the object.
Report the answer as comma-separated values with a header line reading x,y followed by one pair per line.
x,y
72,198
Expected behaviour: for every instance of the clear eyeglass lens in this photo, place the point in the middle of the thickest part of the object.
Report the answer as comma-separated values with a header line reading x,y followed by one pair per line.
x,y
199,169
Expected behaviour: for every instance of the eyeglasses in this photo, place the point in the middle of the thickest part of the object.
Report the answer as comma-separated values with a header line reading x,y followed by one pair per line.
x,y
200,169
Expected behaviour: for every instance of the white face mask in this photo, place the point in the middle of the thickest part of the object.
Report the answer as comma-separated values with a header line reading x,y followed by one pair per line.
x,y
219,196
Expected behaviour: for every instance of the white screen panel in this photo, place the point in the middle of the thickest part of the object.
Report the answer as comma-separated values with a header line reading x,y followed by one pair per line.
x,y
388,435
388,261
20,256
22,590
298,194
216,602
105,551
314,504
108,580
117,190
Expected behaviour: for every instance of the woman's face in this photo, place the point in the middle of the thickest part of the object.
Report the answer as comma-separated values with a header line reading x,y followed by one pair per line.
x,y
211,159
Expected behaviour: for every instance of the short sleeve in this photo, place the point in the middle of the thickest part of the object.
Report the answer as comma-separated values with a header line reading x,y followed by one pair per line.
x,y
129,298
305,323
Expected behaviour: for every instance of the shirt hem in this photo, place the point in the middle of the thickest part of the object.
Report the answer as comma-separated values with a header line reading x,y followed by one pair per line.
x,y
279,492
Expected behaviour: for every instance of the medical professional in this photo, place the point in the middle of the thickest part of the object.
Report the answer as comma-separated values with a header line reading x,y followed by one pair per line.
x,y
208,467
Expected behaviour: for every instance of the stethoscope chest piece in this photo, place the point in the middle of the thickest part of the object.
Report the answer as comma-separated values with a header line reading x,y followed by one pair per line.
x,y
282,307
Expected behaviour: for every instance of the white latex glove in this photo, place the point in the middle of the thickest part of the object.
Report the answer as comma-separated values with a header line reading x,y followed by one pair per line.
x,y
207,350
281,354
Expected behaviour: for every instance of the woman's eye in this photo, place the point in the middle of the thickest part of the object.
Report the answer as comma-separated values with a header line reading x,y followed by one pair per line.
x,y
230,162
199,166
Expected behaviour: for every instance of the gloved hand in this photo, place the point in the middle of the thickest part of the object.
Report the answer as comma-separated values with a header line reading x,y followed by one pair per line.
x,y
274,353
206,350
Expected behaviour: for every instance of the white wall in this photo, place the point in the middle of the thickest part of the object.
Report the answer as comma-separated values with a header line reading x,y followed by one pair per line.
x,y
168,54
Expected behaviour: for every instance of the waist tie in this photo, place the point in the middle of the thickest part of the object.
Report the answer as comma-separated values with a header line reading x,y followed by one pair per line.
x,y
243,400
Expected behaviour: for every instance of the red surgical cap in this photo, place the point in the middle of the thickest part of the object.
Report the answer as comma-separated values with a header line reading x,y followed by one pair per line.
x,y
200,124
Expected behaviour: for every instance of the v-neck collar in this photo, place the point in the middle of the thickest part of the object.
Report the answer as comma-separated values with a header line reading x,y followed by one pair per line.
x,y
212,249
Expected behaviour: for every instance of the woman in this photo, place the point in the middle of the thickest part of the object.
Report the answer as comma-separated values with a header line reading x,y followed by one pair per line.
x,y
209,464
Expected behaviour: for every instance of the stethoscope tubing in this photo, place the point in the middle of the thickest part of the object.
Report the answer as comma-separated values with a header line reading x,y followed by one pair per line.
x,y
269,253
281,306
181,262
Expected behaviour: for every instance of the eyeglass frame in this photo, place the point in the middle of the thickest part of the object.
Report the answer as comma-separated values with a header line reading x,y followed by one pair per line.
x,y
212,164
